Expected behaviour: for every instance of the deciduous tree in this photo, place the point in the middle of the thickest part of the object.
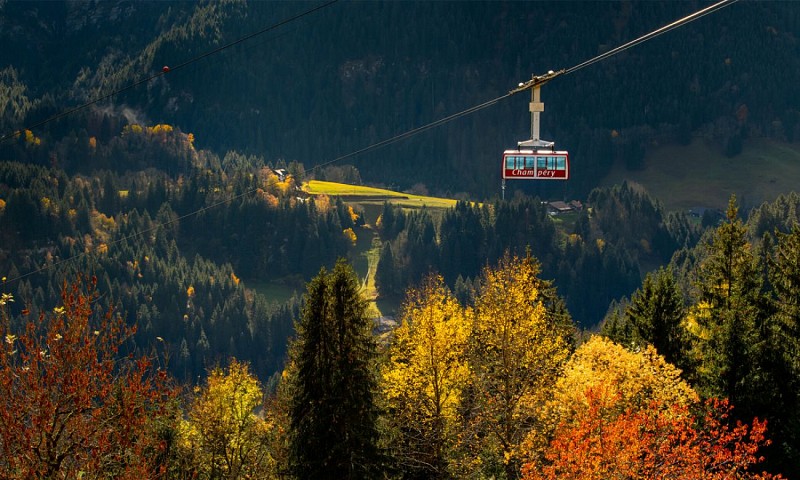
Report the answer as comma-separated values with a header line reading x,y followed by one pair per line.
x,y
424,378
223,437
652,442
516,352
71,406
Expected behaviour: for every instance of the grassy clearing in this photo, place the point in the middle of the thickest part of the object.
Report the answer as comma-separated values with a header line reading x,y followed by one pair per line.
x,y
277,293
367,250
367,195
681,177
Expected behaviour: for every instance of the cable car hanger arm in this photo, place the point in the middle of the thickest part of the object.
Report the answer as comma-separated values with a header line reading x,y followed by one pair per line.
x,y
537,81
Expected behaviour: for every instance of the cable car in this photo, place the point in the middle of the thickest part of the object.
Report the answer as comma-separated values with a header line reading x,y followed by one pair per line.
x,y
529,164
535,159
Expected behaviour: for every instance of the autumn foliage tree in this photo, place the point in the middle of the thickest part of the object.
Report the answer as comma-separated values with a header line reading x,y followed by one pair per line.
x,y
424,378
516,351
652,443
71,406
222,436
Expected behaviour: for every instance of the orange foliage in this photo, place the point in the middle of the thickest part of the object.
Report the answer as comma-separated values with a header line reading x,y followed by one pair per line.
x,y
352,213
653,444
69,403
322,203
350,235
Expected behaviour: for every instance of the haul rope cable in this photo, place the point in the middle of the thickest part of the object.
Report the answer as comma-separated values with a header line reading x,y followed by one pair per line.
x,y
536,81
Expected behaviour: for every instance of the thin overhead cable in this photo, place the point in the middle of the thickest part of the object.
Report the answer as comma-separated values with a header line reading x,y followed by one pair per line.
x,y
414,131
666,28
132,235
170,69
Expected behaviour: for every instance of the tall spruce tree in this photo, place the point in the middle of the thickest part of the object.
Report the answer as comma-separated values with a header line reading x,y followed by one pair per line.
x,y
332,409
655,313
779,347
724,321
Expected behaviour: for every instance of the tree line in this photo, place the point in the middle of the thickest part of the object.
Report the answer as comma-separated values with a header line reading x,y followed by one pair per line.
x,y
619,233
501,388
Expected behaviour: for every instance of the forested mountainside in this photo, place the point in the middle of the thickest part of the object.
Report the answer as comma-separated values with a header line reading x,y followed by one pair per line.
x,y
356,73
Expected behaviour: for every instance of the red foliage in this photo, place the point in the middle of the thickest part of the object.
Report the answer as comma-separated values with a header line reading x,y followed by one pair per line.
x,y
69,404
652,444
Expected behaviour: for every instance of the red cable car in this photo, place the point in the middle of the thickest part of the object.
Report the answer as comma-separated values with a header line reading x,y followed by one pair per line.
x,y
529,164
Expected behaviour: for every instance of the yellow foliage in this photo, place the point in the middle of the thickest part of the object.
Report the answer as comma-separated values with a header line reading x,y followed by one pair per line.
x,y
601,244
322,203
427,368
93,143
102,226
102,248
161,128
235,279
47,205
222,432
517,354
698,321
350,235
133,128
286,186
190,291
353,214
2,204
190,139
625,381
32,139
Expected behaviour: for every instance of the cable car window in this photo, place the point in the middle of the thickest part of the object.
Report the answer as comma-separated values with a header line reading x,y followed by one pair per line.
x,y
520,162
562,164
541,163
530,162
510,162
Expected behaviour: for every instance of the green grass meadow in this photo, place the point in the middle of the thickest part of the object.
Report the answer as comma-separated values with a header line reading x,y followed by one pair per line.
x,y
699,175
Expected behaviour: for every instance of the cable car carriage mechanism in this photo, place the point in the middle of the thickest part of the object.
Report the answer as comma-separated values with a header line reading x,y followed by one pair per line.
x,y
535,159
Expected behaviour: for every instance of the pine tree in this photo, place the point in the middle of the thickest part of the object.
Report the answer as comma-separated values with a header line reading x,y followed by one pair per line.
x,y
332,408
723,323
778,346
655,313
385,272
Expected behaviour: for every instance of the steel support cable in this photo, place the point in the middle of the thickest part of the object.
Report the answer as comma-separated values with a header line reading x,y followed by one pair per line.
x,y
666,28
412,132
169,70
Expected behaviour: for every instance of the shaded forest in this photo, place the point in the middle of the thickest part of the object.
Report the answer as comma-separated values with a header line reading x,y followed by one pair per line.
x,y
358,73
